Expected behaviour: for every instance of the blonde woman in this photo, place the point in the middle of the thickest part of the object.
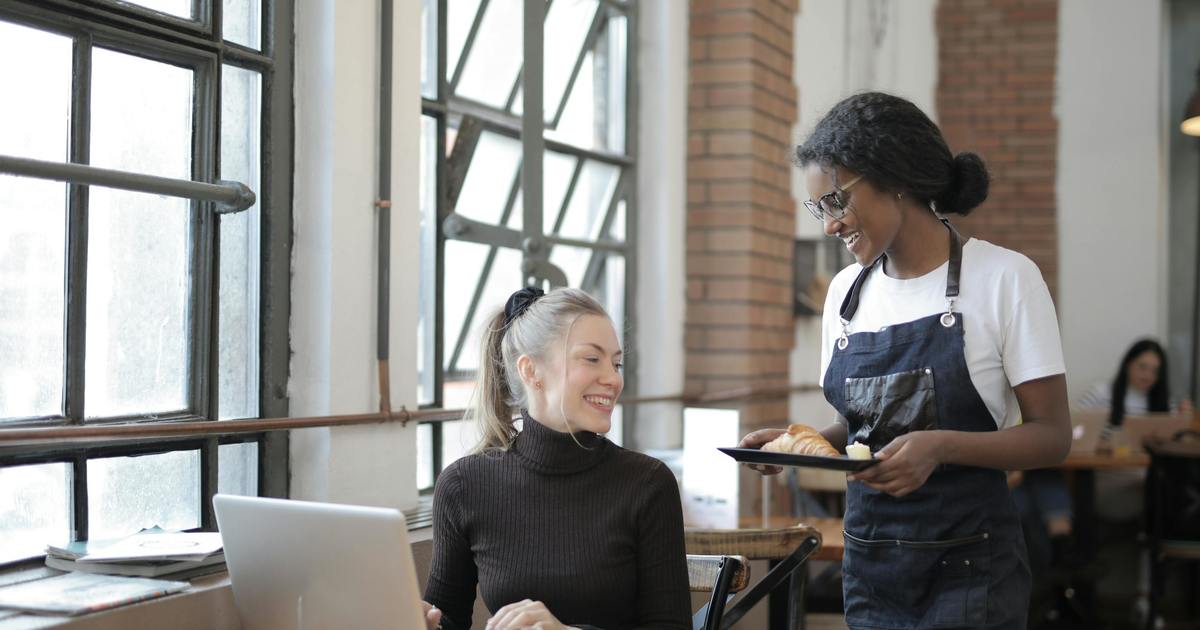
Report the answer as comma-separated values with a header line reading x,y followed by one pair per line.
x,y
557,526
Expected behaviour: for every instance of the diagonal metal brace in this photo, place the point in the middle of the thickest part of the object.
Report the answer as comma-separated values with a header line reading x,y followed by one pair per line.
x,y
775,577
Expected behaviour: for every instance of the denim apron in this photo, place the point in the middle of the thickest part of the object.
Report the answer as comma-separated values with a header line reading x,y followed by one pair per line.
x,y
951,554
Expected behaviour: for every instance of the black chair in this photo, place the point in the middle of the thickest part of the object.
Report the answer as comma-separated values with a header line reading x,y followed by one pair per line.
x,y
720,575
1173,513
787,548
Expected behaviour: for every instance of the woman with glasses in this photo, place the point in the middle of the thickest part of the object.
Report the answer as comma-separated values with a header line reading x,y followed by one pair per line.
x,y
942,354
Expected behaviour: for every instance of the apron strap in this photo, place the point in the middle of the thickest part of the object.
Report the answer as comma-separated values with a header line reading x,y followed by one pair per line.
x,y
850,302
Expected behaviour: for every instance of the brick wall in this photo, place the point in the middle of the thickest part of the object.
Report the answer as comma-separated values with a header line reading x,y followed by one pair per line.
x,y
741,217
995,96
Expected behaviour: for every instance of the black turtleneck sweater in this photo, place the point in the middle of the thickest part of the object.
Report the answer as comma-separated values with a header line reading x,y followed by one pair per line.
x,y
595,533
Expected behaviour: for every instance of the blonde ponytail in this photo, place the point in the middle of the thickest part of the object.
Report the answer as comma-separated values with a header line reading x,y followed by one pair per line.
x,y
490,406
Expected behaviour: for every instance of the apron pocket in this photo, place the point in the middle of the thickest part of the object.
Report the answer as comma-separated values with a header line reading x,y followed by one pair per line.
x,y
885,407
907,584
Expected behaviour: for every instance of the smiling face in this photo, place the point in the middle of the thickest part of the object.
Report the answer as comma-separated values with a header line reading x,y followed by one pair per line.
x,y
1143,371
580,380
872,218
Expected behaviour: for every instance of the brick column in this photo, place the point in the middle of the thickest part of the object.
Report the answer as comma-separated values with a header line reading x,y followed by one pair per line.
x,y
995,96
741,218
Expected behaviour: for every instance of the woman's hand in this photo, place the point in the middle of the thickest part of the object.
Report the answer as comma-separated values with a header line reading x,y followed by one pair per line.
x,y
525,614
756,440
904,465
433,616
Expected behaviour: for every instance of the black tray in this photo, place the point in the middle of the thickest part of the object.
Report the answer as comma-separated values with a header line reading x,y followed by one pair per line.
x,y
755,456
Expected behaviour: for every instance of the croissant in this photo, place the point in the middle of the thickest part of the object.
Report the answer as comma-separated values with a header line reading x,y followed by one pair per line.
x,y
801,439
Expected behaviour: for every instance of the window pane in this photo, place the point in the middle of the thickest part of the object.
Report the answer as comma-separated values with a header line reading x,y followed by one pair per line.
x,y
33,213
424,456
128,494
237,469
594,116
137,304
241,104
241,22
464,264
566,29
557,169
178,8
494,60
589,203
429,48
427,287
459,15
35,509
138,272
458,438
141,115
489,178
616,231
43,78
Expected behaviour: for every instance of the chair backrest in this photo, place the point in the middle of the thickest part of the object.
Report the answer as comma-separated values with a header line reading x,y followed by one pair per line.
x,y
756,544
704,571
721,577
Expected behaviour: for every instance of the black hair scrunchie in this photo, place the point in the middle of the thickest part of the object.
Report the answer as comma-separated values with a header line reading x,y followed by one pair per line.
x,y
519,301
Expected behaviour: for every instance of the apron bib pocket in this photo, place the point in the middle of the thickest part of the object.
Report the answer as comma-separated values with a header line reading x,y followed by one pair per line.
x,y
886,407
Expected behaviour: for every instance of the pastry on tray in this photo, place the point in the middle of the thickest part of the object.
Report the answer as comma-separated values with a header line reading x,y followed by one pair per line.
x,y
801,439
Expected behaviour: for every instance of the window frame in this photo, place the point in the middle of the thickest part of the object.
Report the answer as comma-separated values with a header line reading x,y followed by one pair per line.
x,y
196,45
445,105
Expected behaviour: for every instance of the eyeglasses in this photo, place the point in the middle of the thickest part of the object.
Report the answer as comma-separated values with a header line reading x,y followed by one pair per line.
x,y
832,204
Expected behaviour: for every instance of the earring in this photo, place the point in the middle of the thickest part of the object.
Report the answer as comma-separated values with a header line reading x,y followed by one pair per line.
x,y
538,385
899,196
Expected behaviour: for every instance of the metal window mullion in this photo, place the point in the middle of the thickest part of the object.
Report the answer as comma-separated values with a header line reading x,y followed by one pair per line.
x,y
532,127
484,273
203,241
209,482
516,87
589,41
629,415
75,334
79,497
440,212
467,45
275,225
212,11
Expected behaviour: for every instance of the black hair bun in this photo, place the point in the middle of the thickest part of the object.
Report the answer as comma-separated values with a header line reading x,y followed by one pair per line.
x,y
968,185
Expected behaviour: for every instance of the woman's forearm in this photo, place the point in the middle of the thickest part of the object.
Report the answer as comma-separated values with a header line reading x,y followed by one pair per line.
x,y
1026,446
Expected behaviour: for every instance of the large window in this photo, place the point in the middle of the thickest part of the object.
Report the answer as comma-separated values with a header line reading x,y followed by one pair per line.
x,y
118,306
475,239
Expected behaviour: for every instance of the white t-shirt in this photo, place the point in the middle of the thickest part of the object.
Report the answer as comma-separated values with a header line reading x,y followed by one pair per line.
x,y
1099,396
1011,329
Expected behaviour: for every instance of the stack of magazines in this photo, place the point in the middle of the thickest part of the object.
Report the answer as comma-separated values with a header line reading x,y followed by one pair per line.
x,y
149,553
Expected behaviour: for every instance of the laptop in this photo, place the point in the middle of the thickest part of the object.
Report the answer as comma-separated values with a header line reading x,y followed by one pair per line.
x,y
301,565
1136,429
1087,427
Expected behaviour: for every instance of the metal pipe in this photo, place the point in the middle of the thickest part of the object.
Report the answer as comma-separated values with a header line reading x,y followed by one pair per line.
x,y
24,436
384,204
229,196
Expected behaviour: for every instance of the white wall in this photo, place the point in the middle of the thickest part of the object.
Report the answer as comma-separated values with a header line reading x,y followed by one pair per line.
x,y
333,368
843,47
662,219
1111,183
